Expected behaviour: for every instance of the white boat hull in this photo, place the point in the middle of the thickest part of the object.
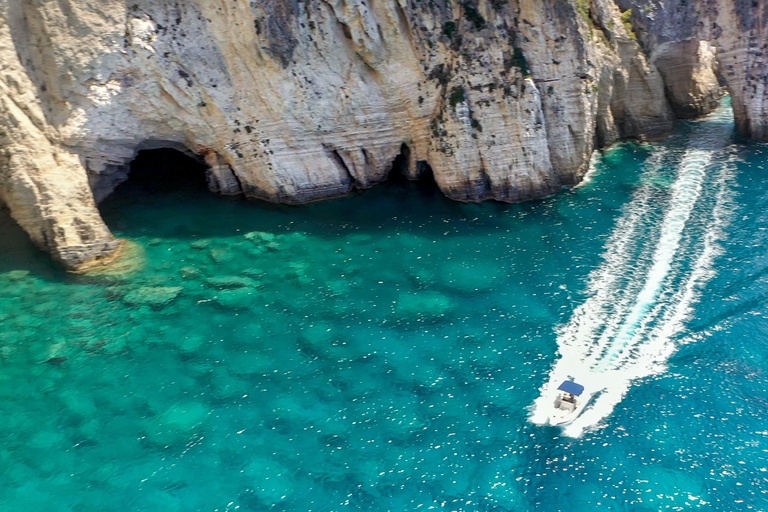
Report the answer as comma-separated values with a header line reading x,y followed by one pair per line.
x,y
560,417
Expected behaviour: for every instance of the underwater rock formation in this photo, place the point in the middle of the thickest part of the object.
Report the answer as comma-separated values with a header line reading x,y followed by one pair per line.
x,y
293,101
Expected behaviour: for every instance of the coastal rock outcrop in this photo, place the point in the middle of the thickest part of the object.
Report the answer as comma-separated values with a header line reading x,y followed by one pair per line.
x,y
689,70
42,181
692,40
293,101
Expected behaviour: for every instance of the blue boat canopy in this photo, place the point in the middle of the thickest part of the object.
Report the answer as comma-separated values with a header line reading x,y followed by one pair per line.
x,y
571,387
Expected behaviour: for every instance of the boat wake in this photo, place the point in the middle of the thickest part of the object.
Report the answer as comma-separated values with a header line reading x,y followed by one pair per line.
x,y
658,257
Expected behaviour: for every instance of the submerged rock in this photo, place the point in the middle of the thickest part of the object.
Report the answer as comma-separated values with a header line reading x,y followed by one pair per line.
x,y
338,287
220,255
190,272
16,275
189,344
272,481
237,298
252,363
156,297
255,273
200,244
426,305
319,333
263,240
423,276
231,282
128,261
177,424
468,277
323,339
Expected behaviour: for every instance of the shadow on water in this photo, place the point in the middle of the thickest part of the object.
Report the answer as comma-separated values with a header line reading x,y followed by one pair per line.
x,y
19,253
166,197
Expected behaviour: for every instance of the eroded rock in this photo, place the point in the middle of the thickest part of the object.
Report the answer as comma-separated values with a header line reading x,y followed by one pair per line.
x,y
689,69
301,101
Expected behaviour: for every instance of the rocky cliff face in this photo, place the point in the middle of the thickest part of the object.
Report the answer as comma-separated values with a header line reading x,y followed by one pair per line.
x,y
683,37
295,101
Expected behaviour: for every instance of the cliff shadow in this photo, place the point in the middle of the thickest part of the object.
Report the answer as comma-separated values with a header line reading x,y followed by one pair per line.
x,y
18,253
166,196
162,184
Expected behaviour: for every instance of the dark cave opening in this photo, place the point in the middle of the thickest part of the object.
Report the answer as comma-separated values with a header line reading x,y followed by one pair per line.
x,y
422,179
167,170
399,171
163,189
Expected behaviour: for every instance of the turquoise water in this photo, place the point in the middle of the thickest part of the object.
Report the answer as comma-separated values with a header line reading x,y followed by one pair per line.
x,y
384,351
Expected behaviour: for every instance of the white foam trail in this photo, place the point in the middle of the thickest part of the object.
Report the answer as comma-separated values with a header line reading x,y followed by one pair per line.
x,y
607,279
685,193
702,271
637,299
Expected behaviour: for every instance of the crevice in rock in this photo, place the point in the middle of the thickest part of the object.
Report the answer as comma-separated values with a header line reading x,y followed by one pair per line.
x,y
237,179
404,26
223,180
485,187
19,253
336,158
424,169
399,170
221,176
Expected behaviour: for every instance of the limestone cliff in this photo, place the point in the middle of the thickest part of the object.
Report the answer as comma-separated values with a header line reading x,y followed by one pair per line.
x,y
687,39
295,101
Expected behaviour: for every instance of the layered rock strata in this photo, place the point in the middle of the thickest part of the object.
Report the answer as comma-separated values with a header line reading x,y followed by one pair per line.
x,y
689,70
685,37
294,101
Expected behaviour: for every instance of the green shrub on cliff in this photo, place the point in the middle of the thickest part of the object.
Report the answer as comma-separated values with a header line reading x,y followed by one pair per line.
x,y
626,20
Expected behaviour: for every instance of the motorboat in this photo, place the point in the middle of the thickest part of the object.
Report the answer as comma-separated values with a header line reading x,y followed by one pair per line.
x,y
569,403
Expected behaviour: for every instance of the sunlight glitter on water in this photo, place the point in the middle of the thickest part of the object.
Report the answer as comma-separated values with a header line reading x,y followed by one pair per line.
x,y
374,353
639,298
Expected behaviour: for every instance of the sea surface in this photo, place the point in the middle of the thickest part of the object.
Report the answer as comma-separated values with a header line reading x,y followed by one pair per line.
x,y
389,351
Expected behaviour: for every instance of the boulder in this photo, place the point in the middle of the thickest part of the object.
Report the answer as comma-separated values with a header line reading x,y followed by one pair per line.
x,y
153,296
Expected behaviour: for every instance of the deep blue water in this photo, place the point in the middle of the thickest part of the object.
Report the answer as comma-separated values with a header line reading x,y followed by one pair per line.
x,y
384,351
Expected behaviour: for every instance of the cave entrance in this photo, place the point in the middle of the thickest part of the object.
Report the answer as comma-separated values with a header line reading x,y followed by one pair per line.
x,y
167,170
163,193
422,179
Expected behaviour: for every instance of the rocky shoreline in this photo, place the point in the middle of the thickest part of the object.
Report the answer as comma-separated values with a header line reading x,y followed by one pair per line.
x,y
295,102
